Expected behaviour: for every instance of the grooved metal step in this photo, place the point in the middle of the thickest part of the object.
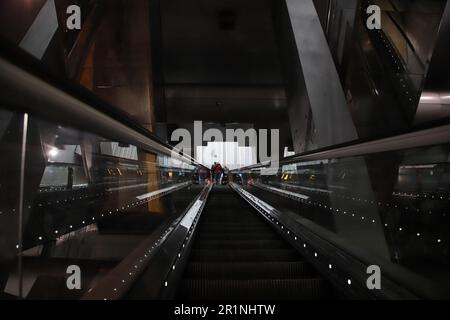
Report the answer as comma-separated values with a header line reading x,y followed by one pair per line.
x,y
240,244
248,270
286,289
237,236
245,255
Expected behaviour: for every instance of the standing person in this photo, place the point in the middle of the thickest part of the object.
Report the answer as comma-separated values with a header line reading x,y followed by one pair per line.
x,y
218,172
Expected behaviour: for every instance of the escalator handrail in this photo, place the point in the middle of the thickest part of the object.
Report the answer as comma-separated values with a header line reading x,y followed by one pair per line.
x,y
423,138
27,88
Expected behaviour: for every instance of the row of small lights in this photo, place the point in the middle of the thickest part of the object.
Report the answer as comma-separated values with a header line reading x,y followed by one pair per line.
x,y
287,230
49,189
147,255
337,211
123,209
59,201
313,203
380,204
183,246
79,198
389,47
61,188
388,205
71,199
418,195
138,264
110,212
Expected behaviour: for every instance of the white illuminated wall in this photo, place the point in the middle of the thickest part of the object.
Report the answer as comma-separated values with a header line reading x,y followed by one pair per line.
x,y
228,154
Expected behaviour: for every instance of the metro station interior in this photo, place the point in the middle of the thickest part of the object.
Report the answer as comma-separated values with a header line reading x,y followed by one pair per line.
x,y
349,201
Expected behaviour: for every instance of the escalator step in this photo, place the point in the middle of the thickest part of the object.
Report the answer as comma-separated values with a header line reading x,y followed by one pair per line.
x,y
230,219
261,232
236,230
245,255
240,244
254,289
229,224
235,226
237,236
248,270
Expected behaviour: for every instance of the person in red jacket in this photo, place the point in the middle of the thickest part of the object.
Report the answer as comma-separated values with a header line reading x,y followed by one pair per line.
x,y
218,173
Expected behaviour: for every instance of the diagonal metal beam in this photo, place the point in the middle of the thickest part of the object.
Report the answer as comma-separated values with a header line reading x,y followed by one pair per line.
x,y
320,84
41,32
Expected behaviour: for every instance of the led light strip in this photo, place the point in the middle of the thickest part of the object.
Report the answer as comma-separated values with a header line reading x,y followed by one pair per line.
x,y
270,213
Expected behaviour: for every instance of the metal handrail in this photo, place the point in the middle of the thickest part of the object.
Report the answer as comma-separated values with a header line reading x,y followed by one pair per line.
x,y
26,92
422,138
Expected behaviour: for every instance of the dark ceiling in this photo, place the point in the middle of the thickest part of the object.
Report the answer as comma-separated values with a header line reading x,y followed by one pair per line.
x,y
220,62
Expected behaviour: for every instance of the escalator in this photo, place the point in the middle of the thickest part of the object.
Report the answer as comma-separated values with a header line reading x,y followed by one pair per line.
x,y
85,186
237,255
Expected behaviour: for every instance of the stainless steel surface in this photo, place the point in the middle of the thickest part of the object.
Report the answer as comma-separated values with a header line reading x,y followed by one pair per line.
x,y
433,105
435,100
430,137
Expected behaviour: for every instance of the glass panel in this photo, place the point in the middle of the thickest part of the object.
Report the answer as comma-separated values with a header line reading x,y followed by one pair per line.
x,y
393,206
90,201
